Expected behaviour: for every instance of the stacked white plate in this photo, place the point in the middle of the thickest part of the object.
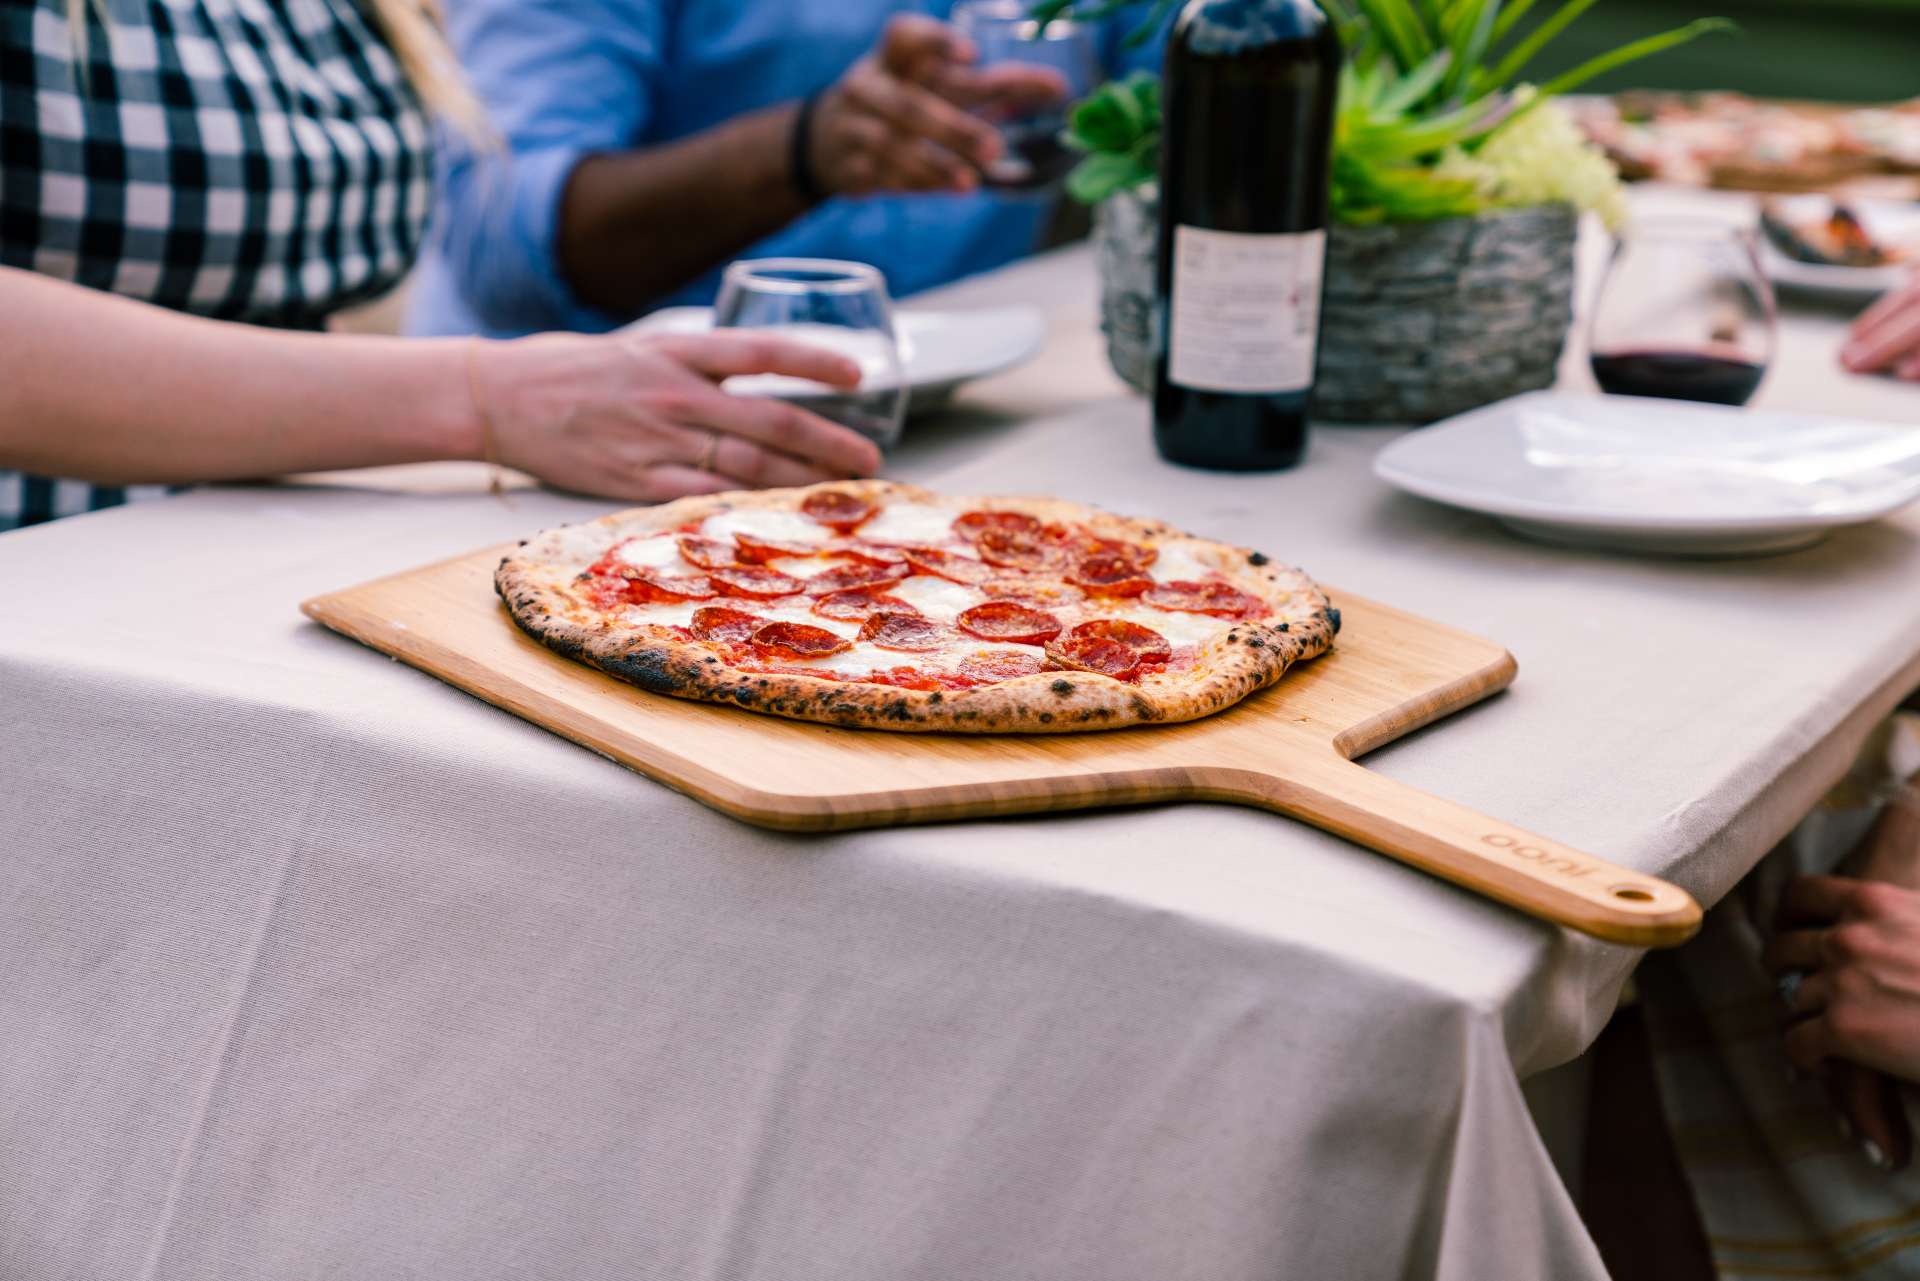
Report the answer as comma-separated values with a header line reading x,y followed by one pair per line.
x,y
1664,476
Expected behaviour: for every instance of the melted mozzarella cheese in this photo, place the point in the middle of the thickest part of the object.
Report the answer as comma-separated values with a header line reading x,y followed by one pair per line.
x,y
937,598
1181,629
803,567
661,551
1180,561
680,613
909,523
761,522
863,658
662,614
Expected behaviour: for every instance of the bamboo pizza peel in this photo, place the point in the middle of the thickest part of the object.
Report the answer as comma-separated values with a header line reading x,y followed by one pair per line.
x,y
1289,749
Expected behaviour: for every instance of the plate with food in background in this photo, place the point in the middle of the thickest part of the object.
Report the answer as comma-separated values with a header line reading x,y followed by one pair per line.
x,y
1852,249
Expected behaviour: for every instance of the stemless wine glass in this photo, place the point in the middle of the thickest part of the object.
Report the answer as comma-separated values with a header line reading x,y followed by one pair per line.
x,y
1685,312
1033,158
842,306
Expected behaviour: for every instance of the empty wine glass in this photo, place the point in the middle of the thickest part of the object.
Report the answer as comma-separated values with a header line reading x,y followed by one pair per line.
x,y
842,306
1033,156
1685,312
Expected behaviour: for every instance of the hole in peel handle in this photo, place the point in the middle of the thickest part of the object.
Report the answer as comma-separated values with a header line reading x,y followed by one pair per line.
x,y
1541,877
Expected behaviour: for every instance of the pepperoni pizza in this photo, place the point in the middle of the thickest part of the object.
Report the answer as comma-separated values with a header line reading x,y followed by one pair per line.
x,y
882,606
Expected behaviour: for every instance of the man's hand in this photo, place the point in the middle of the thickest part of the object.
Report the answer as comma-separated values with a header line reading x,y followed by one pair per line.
x,y
1857,943
1886,338
902,118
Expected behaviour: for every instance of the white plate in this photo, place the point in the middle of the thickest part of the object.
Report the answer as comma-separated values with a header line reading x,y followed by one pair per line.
x,y
1886,221
1665,476
939,349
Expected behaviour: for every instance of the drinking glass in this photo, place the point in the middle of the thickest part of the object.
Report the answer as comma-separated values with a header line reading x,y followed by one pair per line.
x,y
1033,158
842,306
1685,312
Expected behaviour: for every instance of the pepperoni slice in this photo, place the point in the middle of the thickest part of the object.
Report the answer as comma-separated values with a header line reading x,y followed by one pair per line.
x,y
1150,645
796,640
1088,543
606,591
1105,575
838,509
948,565
1002,620
728,626
990,665
644,584
856,603
909,632
842,577
1218,599
707,553
1091,647
1020,549
755,581
1092,654
759,551
870,553
971,525
1041,593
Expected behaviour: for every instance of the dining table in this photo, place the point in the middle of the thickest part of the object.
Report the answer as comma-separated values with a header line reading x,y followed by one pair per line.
x,y
313,966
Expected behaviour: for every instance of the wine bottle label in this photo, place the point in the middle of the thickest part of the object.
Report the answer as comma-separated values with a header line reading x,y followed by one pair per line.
x,y
1245,314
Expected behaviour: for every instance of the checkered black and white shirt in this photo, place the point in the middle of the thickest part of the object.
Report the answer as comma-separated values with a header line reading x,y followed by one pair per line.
x,y
253,160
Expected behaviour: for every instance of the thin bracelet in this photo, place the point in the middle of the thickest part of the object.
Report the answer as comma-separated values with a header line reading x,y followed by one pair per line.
x,y
488,450
800,152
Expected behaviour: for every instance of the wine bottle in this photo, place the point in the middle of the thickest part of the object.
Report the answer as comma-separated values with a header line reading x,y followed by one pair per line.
x,y
1248,97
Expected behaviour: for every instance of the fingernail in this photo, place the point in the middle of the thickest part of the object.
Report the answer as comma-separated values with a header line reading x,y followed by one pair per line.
x,y
1843,1125
1874,1154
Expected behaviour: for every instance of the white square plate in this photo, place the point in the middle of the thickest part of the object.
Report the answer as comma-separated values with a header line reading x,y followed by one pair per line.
x,y
1665,476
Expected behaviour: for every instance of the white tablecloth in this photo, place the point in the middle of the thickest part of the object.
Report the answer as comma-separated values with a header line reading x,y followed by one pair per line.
x,y
311,966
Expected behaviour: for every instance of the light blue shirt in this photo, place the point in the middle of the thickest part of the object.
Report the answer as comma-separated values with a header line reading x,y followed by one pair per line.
x,y
563,79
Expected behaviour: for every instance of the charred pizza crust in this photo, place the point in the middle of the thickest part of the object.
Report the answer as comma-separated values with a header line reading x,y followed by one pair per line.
x,y
538,581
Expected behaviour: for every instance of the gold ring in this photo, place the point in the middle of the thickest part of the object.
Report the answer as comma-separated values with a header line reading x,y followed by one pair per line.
x,y
710,453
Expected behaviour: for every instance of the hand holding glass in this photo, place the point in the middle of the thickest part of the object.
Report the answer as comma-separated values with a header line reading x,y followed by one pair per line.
x,y
842,306
1034,157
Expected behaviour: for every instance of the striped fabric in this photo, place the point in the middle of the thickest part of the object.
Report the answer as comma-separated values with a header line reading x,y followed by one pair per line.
x,y
30,500
253,160
1781,1191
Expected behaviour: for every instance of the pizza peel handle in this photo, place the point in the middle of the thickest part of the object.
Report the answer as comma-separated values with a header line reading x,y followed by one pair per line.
x,y
1538,876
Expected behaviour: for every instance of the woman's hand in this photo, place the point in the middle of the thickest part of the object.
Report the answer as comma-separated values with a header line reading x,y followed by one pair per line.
x,y
899,119
1857,944
642,416
1886,338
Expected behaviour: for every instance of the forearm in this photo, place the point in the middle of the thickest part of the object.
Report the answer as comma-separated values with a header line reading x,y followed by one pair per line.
x,y
103,389
635,225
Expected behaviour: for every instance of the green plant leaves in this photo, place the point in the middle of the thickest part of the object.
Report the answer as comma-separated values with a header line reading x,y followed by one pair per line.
x,y
1118,125
1632,52
1421,78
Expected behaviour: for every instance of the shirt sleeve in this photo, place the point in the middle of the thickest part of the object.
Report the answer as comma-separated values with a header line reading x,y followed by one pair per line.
x,y
1121,58
560,79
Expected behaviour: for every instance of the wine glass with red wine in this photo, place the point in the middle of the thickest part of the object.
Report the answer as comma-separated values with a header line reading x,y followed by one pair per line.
x,y
1033,157
1685,313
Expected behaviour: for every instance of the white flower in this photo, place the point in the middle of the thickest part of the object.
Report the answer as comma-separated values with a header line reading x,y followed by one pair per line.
x,y
1541,157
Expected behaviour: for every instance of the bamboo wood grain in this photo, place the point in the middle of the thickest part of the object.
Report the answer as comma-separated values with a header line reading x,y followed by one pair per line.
x,y
1288,749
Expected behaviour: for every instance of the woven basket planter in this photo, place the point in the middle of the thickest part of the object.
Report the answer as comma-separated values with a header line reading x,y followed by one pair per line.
x,y
1419,320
